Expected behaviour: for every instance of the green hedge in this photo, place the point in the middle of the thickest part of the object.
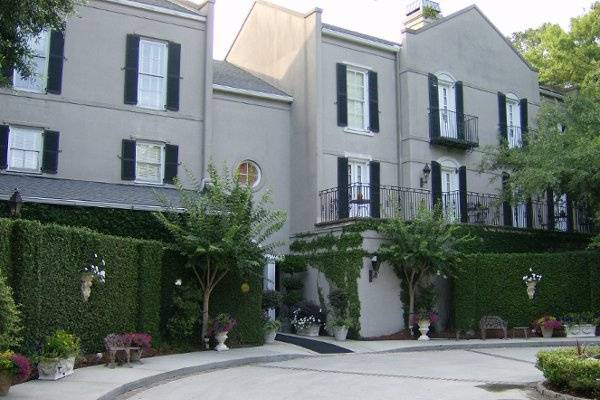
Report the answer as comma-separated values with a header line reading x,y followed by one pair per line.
x,y
46,265
595,277
492,284
110,221
513,240
569,371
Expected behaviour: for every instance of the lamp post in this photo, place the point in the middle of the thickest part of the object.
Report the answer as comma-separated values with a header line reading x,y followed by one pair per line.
x,y
15,203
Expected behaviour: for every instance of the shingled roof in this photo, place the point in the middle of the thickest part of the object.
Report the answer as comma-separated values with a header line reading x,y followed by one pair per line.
x,y
227,74
360,35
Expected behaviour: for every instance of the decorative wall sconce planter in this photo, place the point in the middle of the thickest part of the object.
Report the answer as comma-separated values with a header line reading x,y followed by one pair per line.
x,y
531,280
93,272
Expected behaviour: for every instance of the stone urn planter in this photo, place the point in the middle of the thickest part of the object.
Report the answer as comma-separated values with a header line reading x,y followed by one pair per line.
x,y
5,382
547,332
531,289
311,330
87,280
270,337
221,338
581,330
424,328
54,369
340,333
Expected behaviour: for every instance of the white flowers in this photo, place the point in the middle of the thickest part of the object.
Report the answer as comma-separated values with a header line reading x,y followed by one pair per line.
x,y
96,268
178,282
532,277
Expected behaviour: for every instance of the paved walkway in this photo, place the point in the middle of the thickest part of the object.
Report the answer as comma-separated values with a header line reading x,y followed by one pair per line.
x,y
285,371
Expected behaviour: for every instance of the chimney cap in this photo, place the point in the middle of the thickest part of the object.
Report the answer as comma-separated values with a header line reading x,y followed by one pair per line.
x,y
418,5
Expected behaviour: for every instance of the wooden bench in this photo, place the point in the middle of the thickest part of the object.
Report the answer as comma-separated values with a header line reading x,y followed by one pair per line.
x,y
494,322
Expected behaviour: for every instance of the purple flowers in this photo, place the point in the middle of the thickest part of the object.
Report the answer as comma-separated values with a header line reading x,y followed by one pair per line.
x,y
23,367
142,340
223,323
548,322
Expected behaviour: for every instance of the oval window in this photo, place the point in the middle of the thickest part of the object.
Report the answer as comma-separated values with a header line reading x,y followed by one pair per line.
x,y
249,173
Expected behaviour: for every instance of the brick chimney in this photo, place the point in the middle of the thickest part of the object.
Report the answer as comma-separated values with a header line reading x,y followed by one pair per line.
x,y
421,13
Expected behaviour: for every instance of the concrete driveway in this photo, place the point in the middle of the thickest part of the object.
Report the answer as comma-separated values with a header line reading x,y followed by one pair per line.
x,y
453,374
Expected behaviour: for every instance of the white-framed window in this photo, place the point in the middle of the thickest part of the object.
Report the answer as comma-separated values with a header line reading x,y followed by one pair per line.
x,y
149,162
447,104
513,121
248,173
152,74
357,81
25,149
37,81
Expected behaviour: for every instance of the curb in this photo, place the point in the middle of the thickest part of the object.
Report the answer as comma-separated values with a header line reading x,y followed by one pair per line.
x,y
550,394
467,346
188,371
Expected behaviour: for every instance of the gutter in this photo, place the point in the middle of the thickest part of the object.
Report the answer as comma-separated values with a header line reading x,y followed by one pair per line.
x,y
157,9
362,41
254,93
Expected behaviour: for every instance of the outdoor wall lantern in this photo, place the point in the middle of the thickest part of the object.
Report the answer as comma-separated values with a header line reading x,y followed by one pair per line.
x,y
15,203
374,271
425,175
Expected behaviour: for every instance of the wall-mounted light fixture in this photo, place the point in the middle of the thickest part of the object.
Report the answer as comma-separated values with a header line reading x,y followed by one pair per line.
x,y
425,175
374,270
15,203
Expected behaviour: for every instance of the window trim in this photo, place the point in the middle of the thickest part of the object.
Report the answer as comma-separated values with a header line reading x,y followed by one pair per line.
x,y
16,73
366,115
162,162
165,78
40,149
259,174
513,99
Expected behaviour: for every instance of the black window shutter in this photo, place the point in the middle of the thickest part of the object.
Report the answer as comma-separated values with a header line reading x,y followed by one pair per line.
x,y
502,116
460,110
171,163
569,213
50,154
373,102
55,62
529,216
434,107
342,95
131,68
374,175
524,120
4,129
128,160
550,205
506,207
342,197
173,76
436,183
462,193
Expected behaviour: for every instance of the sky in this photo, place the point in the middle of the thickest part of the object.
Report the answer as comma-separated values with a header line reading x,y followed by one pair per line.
x,y
384,18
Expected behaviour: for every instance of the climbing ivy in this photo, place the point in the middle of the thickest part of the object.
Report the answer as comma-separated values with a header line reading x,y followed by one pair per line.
x,y
339,257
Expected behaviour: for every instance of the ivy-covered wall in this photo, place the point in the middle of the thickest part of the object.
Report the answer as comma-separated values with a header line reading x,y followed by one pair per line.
x,y
110,221
44,264
492,284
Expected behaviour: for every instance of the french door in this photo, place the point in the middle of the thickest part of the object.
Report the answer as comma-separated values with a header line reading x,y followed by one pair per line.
x,y
447,101
359,189
450,200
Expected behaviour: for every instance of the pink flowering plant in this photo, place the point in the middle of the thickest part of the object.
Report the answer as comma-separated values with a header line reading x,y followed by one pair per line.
x,y
142,340
425,315
547,322
16,364
222,324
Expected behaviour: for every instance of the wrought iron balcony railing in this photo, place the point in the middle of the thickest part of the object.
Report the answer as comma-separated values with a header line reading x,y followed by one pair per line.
x,y
453,129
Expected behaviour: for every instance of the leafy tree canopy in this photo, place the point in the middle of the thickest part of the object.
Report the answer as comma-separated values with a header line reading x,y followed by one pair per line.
x,y
22,20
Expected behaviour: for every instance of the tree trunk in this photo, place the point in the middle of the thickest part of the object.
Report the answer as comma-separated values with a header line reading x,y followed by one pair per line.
x,y
205,303
411,305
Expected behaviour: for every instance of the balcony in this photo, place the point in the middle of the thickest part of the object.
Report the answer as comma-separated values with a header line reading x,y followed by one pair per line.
x,y
455,130
366,201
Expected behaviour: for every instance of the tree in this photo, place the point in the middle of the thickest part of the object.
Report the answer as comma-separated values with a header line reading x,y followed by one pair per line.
x,y
564,59
221,231
419,249
10,318
22,20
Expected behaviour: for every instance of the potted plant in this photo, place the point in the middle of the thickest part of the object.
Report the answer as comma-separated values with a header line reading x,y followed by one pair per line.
x,y
271,328
531,280
220,327
547,324
307,318
581,324
58,356
339,303
424,318
271,300
14,368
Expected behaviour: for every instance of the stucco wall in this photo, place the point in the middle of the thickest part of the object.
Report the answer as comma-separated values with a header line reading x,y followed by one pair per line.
x,y
90,114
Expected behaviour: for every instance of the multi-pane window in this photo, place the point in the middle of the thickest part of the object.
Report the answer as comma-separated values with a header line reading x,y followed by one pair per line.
x,y
152,74
36,82
149,165
513,122
24,149
358,107
249,173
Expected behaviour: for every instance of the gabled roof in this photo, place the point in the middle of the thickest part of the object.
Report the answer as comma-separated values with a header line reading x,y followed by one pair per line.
x,y
171,5
229,75
464,11
39,189
360,35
